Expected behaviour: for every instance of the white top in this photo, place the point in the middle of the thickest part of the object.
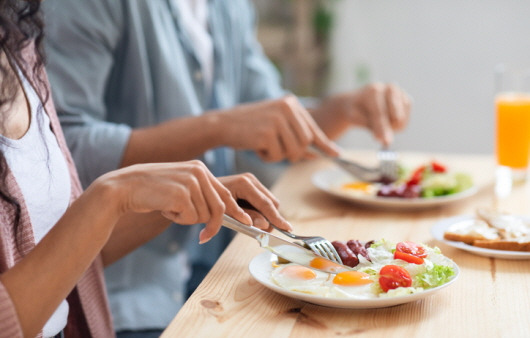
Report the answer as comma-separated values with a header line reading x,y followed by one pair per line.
x,y
194,18
42,174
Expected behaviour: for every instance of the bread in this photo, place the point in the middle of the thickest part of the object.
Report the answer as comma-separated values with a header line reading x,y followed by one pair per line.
x,y
492,230
503,245
470,231
460,238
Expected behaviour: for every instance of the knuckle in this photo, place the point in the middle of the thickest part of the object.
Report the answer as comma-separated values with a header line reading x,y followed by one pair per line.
x,y
246,179
192,182
225,194
250,177
289,98
375,88
196,163
286,103
217,211
198,168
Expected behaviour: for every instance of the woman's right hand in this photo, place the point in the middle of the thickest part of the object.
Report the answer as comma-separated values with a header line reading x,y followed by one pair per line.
x,y
184,192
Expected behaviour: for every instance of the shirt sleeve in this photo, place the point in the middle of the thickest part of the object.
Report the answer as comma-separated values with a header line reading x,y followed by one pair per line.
x,y
80,58
261,80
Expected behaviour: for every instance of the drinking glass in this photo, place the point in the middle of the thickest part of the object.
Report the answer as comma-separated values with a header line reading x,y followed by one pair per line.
x,y
512,115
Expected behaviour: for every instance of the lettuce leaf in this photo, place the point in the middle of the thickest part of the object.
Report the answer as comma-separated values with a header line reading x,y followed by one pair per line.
x,y
433,277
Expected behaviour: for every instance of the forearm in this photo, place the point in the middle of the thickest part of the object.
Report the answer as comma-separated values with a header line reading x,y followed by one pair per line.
x,y
175,140
131,231
42,279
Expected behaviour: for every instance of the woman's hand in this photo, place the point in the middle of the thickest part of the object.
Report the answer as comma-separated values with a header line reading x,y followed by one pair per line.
x,y
185,193
275,129
247,187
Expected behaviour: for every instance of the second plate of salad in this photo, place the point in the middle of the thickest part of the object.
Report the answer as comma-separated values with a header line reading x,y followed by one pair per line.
x,y
428,185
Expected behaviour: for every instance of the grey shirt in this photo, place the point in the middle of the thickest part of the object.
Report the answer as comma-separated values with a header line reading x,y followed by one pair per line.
x,y
121,64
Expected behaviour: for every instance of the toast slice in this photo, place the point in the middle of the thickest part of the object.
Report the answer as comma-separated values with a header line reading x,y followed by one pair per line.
x,y
492,230
503,244
469,231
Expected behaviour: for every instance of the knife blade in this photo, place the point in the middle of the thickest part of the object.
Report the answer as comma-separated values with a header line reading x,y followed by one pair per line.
x,y
290,251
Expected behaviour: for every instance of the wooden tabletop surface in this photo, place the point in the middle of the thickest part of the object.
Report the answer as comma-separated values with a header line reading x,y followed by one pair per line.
x,y
491,297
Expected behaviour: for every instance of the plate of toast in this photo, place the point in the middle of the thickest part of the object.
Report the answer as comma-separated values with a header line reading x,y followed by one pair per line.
x,y
488,233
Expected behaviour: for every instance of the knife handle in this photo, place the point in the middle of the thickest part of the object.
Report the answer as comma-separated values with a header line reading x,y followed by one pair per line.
x,y
235,225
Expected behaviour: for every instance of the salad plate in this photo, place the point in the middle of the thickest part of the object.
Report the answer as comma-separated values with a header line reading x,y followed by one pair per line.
x,y
440,227
261,268
332,179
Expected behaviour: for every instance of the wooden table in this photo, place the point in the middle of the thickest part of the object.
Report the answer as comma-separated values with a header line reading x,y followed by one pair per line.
x,y
491,297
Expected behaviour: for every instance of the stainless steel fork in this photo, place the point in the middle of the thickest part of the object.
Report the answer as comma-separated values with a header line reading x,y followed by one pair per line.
x,y
387,170
388,165
317,244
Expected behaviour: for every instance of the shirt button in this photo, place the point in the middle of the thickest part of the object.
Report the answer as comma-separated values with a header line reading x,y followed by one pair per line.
x,y
197,75
173,247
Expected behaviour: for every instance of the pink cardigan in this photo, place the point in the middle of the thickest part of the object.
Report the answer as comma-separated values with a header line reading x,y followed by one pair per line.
x,y
89,311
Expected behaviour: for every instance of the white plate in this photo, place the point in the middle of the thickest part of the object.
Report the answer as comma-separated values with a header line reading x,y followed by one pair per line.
x,y
260,268
330,180
438,232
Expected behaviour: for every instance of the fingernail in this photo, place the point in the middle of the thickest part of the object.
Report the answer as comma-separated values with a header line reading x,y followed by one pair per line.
x,y
202,238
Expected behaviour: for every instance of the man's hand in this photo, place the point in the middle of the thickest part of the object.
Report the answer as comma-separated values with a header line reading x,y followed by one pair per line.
x,y
274,129
381,108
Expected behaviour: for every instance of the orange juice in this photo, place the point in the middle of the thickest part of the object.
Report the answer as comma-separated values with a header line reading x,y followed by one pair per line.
x,y
513,130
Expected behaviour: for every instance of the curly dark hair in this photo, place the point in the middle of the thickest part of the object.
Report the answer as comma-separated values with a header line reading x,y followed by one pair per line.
x,y
21,27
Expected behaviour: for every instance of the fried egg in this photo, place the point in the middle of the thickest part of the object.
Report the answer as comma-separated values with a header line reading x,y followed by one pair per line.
x,y
345,284
351,284
301,279
325,265
359,188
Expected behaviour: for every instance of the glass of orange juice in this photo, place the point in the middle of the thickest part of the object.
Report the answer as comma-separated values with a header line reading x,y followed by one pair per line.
x,y
512,112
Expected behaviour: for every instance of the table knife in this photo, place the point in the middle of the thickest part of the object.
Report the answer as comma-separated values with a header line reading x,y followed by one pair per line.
x,y
290,251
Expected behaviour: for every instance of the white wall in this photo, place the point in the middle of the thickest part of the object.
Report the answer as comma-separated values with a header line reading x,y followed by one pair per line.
x,y
443,53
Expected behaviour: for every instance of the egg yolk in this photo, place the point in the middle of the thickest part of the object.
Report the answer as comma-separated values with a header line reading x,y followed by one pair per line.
x,y
324,264
352,278
364,186
299,272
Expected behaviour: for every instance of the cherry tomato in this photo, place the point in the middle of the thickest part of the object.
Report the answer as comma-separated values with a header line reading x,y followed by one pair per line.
x,y
438,167
416,176
412,249
393,277
408,257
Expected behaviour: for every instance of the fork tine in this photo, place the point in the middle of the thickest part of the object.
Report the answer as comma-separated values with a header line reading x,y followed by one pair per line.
x,y
331,252
316,249
335,254
388,164
327,251
318,245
